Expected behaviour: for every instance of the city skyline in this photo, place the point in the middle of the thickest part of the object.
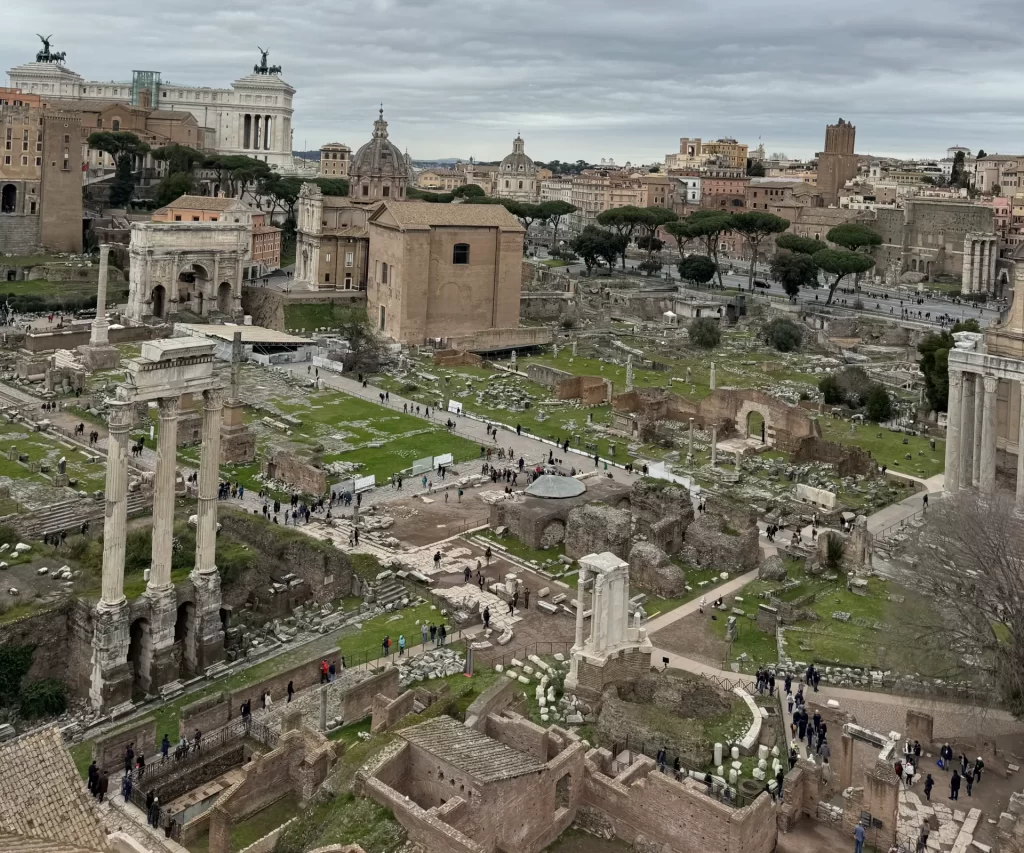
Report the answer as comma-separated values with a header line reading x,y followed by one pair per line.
x,y
579,82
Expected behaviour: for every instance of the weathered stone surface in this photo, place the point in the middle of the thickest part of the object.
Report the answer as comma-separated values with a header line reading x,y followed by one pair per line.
x,y
772,569
650,568
662,512
727,543
596,528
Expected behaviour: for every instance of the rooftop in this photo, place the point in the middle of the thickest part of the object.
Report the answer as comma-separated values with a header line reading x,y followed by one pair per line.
x,y
483,758
552,486
419,214
42,796
226,332
204,202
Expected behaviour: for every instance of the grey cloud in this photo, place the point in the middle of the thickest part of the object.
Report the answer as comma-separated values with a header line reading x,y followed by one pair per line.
x,y
579,78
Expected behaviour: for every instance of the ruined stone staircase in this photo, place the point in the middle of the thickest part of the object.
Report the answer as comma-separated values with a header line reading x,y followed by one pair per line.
x,y
70,515
388,590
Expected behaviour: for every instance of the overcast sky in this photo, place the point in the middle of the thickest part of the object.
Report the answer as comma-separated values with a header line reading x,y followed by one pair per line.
x,y
579,78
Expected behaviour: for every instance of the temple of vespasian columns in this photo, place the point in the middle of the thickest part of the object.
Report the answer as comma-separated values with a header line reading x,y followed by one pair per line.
x,y
168,632
986,386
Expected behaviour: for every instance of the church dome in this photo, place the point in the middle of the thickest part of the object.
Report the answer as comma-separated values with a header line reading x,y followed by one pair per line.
x,y
379,157
517,163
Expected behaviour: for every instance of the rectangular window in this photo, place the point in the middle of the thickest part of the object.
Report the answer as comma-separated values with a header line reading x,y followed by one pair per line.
x,y
177,218
328,257
24,161
349,259
7,160
460,253
213,219
195,218
327,278
39,161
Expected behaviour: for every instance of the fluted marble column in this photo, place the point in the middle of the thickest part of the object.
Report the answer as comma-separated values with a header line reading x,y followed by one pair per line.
x,y
971,386
1019,508
116,509
209,480
988,437
714,446
951,482
163,495
581,581
98,337
979,411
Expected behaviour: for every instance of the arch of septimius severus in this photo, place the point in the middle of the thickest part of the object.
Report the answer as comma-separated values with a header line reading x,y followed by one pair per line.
x,y
986,387
169,631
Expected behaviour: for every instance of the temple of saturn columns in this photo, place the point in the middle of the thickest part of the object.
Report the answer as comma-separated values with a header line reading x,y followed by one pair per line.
x,y
614,650
169,632
984,427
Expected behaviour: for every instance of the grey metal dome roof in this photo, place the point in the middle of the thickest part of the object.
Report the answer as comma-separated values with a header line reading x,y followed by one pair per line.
x,y
379,157
555,487
517,162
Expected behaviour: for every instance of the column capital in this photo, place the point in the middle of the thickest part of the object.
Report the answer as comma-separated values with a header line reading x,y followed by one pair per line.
x,y
213,399
169,407
991,384
120,417
956,378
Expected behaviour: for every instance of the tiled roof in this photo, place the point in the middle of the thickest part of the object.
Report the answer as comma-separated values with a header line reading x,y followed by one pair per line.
x,y
483,758
411,213
24,844
42,795
205,202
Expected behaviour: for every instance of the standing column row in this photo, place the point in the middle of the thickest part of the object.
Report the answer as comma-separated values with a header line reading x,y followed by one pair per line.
x,y
971,434
209,480
163,496
119,424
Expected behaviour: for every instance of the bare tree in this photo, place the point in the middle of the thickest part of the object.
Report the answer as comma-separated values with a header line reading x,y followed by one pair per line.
x,y
969,560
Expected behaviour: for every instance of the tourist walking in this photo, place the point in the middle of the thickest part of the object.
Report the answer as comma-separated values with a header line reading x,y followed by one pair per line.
x,y
401,645
385,645
979,765
423,633
443,634
858,838
954,786
929,783
487,618
291,691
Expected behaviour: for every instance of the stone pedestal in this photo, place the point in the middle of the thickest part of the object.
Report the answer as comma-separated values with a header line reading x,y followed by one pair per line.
x,y
111,680
237,443
164,665
98,354
100,358
208,648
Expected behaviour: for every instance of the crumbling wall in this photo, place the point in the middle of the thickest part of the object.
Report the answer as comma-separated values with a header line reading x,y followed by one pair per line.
x,y
455,358
108,750
596,528
729,543
850,460
589,390
651,570
50,635
283,465
265,305
653,811
326,571
387,710
655,502
549,377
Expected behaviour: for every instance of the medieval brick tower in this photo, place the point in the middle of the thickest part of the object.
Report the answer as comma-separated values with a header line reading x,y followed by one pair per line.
x,y
837,164
60,184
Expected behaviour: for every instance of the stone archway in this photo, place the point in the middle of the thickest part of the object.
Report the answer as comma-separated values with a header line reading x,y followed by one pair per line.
x,y
140,654
159,301
193,281
9,199
756,425
743,416
224,298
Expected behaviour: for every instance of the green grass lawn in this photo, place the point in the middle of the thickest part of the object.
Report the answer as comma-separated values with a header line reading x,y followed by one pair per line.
x,y
309,316
365,645
889,449
43,448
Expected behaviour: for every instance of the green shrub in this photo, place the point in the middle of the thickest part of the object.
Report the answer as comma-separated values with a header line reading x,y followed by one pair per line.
x,y
834,549
705,333
409,387
783,334
830,390
15,662
878,405
45,698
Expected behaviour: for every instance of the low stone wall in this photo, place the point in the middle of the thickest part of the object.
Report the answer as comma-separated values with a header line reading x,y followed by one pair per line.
x,y
498,339
589,390
850,460
653,811
547,306
424,827
265,306
108,750
455,358
493,700
388,711
357,703
549,377
71,338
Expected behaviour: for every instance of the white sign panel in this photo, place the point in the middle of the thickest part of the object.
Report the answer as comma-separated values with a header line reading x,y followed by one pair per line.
x,y
364,483
455,407
444,459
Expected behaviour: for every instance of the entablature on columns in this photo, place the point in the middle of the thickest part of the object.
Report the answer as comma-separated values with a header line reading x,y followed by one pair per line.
x,y
985,364
169,368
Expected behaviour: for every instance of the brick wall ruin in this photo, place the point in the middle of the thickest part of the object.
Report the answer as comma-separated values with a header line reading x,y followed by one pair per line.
x,y
297,473
589,390
297,766
851,461
596,528
108,750
652,811
456,358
